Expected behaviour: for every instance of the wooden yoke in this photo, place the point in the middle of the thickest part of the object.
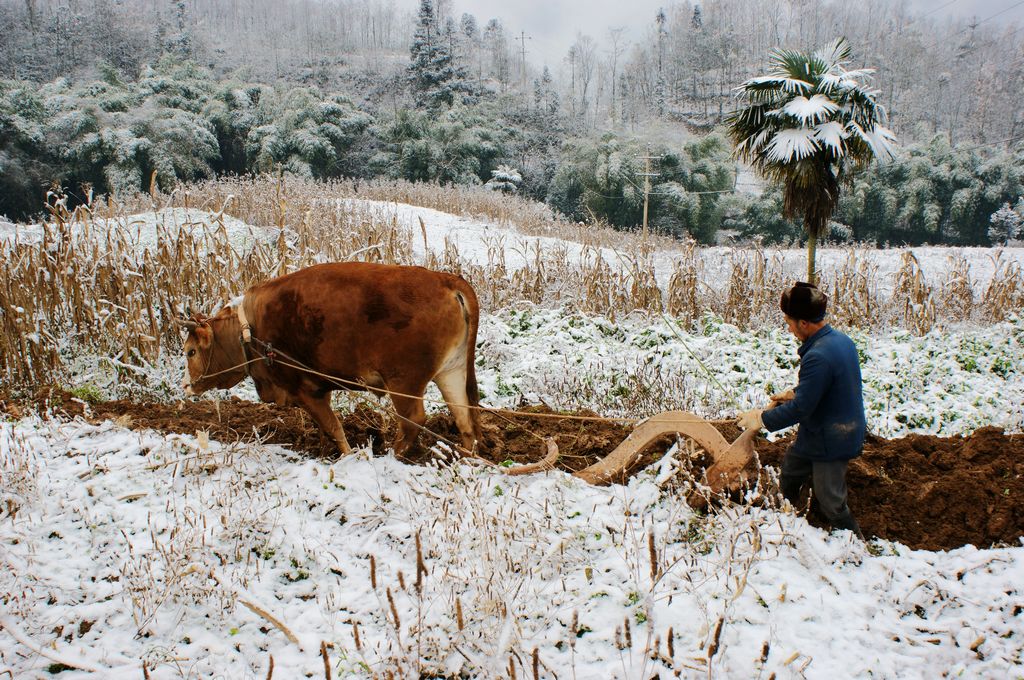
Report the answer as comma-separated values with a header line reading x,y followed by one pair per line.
x,y
724,473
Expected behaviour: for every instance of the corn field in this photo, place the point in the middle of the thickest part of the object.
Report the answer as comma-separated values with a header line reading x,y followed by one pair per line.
x,y
89,285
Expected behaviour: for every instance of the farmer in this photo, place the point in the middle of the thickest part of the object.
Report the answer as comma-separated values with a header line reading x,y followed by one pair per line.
x,y
827,403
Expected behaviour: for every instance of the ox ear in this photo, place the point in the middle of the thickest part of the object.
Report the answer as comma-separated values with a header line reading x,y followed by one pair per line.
x,y
204,335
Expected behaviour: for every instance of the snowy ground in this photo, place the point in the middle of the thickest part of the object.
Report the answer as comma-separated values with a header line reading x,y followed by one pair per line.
x,y
143,231
118,547
131,546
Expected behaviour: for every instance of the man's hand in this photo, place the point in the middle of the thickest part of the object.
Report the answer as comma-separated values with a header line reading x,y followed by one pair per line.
x,y
750,420
782,398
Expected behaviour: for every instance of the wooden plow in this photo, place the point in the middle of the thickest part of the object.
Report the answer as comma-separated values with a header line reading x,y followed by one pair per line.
x,y
726,473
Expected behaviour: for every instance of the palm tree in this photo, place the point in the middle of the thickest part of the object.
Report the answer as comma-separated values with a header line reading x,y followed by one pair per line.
x,y
806,125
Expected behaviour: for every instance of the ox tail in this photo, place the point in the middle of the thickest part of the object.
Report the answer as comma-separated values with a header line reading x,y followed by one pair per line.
x,y
471,314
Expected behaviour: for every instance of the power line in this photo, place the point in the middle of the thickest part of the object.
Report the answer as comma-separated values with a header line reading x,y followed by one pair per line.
x,y
975,24
940,7
1008,140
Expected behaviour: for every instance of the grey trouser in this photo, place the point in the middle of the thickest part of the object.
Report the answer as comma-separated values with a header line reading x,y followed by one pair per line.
x,y
828,480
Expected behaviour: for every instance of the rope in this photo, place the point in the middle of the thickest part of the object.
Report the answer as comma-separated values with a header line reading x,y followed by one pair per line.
x,y
501,412
729,396
204,376
551,416
366,400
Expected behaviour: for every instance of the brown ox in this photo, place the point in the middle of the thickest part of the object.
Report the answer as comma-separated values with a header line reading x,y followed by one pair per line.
x,y
351,325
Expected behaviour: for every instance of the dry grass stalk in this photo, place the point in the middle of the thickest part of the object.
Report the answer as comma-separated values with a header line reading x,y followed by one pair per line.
x,y
715,636
852,291
683,301
276,622
421,567
394,610
652,555
89,285
1005,292
913,295
326,658
957,295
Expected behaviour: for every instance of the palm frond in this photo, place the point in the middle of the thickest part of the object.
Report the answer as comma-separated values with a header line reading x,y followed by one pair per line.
x,y
835,53
859,75
830,136
879,139
817,108
773,83
752,147
796,66
791,145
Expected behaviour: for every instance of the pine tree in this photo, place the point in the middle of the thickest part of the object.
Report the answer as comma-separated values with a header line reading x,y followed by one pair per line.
x,y
436,77
659,86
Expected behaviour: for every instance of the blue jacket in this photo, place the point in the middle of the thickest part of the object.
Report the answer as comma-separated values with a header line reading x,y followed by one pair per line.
x,y
829,405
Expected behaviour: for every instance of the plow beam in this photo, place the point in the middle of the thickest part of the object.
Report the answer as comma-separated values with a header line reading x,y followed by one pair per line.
x,y
729,459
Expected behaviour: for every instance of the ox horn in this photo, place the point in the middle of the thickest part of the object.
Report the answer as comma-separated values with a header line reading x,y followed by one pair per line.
x,y
187,323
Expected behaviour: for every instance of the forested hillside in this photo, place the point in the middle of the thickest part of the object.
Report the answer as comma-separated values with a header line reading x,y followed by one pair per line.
x,y
110,96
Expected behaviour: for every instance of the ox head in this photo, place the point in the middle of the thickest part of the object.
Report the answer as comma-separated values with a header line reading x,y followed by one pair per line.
x,y
213,357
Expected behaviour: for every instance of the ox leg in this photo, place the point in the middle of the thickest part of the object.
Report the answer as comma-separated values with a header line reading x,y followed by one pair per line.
x,y
412,417
322,413
453,389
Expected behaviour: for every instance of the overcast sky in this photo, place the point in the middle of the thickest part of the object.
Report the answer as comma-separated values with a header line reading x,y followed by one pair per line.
x,y
552,24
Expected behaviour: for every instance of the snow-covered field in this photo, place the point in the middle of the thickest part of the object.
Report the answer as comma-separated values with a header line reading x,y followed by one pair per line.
x,y
478,239
120,547
144,231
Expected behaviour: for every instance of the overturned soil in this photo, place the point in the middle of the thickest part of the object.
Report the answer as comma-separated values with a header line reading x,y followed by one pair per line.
x,y
924,491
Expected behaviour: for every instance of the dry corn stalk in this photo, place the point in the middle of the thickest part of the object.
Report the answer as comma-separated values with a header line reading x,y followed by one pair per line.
x,y
913,295
1005,292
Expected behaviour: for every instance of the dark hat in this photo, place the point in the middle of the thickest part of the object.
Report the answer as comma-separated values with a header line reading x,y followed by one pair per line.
x,y
804,302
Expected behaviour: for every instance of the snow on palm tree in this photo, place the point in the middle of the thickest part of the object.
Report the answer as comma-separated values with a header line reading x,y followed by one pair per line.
x,y
805,125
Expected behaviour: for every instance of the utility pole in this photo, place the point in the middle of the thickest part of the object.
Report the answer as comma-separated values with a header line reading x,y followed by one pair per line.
x,y
647,175
522,40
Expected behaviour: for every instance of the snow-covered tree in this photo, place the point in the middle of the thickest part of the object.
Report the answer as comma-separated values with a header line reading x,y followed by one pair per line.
x,y
933,193
495,42
25,166
505,179
304,133
471,34
599,178
1006,224
435,74
659,84
459,146
805,125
